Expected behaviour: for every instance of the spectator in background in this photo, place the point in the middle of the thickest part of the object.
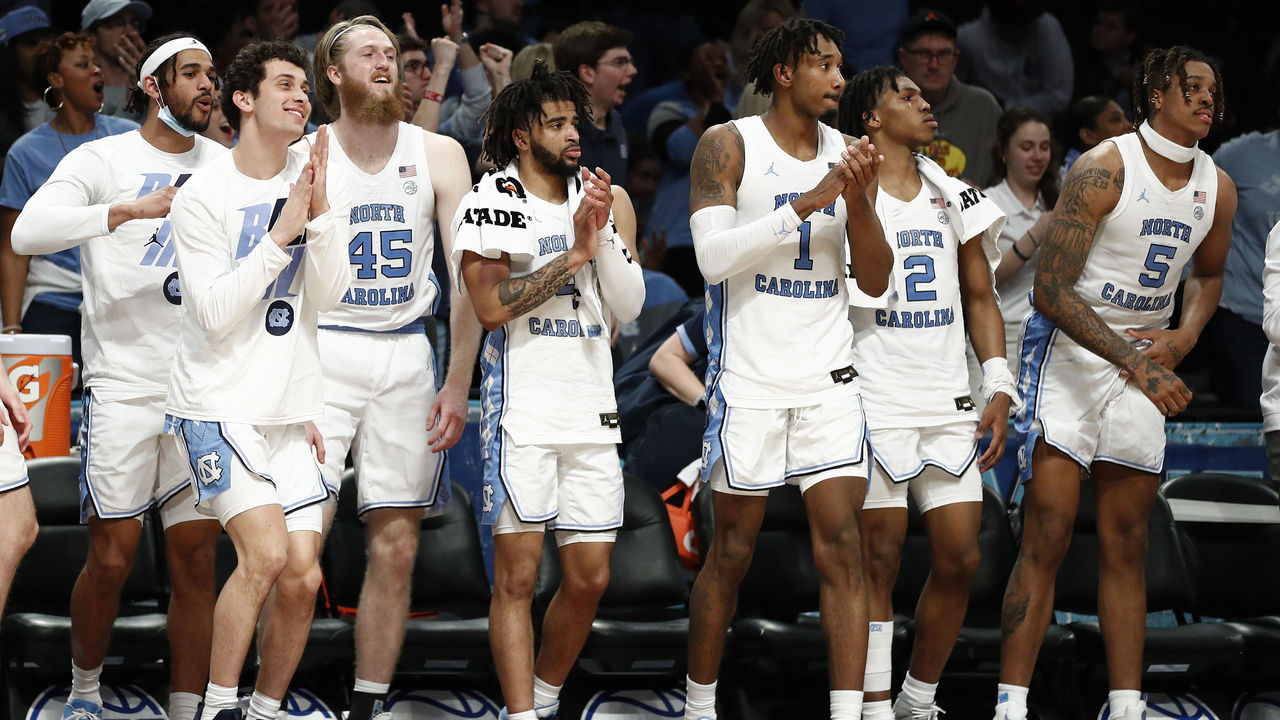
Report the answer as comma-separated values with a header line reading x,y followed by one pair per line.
x,y
756,18
1024,157
42,294
1090,121
116,27
497,14
1235,332
274,20
596,54
1018,52
530,55
343,10
417,72
1109,63
673,130
22,33
219,130
870,27
966,114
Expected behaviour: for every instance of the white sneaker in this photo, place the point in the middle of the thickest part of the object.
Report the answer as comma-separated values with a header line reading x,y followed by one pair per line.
x,y
1005,711
905,711
1136,712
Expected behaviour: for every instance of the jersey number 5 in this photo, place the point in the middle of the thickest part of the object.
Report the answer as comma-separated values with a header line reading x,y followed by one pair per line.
x,y
397,258
1158,258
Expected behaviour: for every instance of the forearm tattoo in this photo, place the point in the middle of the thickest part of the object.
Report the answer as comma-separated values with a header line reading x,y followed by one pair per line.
x,y
522,294
1062,259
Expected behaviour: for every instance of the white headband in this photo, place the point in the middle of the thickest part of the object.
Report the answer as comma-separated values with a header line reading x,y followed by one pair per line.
x,y
166,51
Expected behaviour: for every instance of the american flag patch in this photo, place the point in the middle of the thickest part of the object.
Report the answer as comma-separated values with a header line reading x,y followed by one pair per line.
x,y
408,171
1200,196
937,203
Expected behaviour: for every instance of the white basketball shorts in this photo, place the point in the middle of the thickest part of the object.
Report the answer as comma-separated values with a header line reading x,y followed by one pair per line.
x,y
936,463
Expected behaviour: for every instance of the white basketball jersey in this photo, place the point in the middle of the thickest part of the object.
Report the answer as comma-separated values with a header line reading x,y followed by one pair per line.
x,y
778,332
548,374
389,230
910,353
132,302
1141,247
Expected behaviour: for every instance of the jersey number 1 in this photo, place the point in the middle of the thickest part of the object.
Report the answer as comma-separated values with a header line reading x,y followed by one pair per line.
x,y
394,249
804,262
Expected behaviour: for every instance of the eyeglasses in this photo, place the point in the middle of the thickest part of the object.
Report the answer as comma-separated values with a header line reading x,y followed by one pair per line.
x,y
414,67
116,22
926,55
619,62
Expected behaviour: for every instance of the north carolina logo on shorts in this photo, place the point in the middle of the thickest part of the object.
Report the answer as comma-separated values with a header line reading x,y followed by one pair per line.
x,y
486,498
279,318
172,291
207,468
706,453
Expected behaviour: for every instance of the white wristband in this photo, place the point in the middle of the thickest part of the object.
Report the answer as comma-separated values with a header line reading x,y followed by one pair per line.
x,y
997,378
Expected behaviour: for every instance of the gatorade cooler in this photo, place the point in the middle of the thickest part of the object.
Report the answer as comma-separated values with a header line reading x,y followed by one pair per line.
x,y
40,367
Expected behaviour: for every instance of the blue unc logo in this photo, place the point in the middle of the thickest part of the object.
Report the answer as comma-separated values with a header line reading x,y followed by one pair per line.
x,y
280,318
172,291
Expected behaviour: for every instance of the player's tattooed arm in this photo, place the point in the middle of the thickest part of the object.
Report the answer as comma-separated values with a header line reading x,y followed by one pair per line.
x,y
1087,196
716,169
498,297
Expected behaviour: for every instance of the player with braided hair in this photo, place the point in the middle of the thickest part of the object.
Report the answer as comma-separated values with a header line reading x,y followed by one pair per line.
x,y
1098,359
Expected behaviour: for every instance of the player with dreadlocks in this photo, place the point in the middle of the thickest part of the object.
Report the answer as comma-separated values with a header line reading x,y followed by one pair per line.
x,y
1098,359
779,208
537,252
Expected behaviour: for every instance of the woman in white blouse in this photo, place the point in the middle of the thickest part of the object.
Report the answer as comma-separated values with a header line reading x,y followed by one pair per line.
x,y
1024,153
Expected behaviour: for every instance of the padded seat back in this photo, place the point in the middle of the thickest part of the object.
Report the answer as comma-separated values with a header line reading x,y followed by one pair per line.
x,y
49,570
670,440
448,573
646,581
1223,554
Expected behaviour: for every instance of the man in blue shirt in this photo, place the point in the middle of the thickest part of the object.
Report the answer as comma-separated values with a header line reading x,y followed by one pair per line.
x,y
596,54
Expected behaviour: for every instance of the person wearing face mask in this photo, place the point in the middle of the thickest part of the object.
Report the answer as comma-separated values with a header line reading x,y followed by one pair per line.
x,y
110,198
116,27
42,294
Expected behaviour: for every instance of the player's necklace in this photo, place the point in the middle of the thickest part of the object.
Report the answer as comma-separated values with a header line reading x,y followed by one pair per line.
x,y
1164,147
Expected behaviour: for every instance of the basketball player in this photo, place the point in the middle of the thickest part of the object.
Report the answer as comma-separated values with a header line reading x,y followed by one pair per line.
x,y
1098,361
393,419
18,527
259,260
924,430
778,207
544,267
110,198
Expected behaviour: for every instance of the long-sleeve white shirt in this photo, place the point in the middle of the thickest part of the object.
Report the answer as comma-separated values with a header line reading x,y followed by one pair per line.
x,y
1271,326
132,302
247,343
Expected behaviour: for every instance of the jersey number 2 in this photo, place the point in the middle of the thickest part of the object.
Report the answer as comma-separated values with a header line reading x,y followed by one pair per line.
x,y
922,274
397,258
